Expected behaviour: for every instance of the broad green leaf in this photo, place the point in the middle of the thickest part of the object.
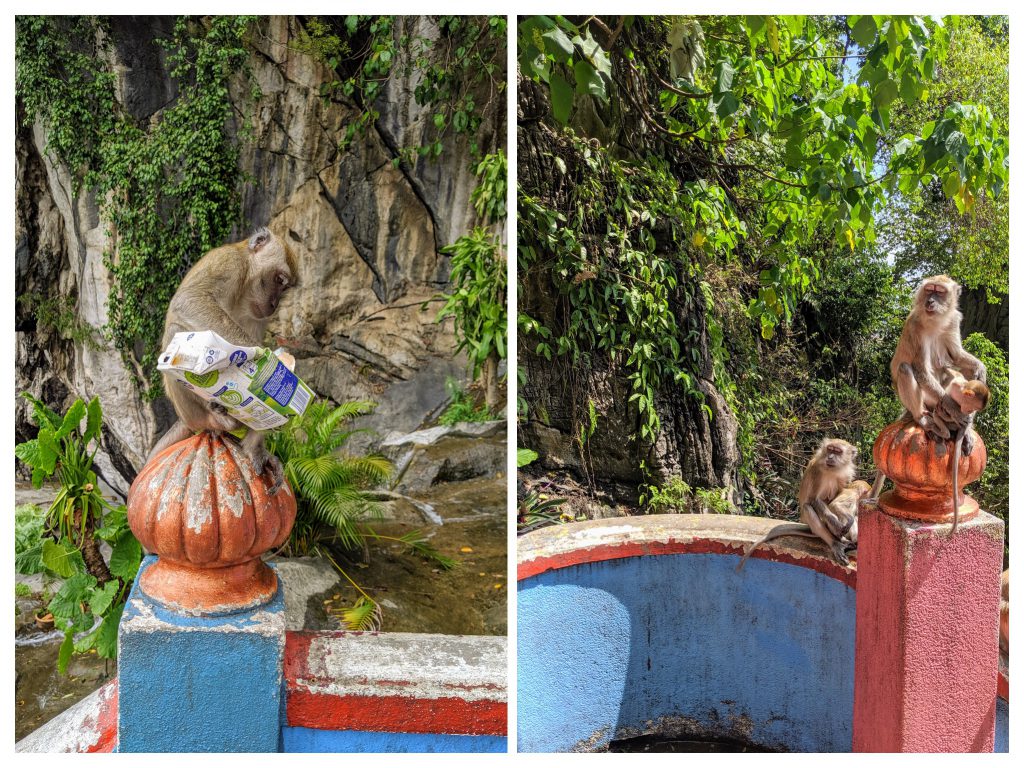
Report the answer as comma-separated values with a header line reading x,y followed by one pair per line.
x,y
102,598
67,603
864,31
773,34
561,98
64,654
525,456
61,558
951,184
106,638
72,419
589,81
885,93
94,420
125,557
723,75
557,43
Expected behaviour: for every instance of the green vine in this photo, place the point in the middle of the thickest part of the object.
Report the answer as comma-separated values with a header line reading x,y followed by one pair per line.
x,y
619,249
452,71
167,185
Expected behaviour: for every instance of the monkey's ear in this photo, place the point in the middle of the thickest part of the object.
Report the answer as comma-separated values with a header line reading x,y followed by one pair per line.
x,y
259,238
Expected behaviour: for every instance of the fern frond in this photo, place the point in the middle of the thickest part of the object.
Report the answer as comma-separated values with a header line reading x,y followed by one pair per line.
x,y
364,616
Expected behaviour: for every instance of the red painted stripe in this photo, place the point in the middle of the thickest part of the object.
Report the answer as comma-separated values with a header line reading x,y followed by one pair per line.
x,y
396,714
106,721
1003,687
602,552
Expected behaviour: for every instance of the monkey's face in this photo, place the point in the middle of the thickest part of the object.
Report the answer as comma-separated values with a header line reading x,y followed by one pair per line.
x,y
270,287
971,397
838,453
937,295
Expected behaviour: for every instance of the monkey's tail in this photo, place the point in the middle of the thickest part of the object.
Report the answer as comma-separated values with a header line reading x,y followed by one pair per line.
x,y
956,481
786,529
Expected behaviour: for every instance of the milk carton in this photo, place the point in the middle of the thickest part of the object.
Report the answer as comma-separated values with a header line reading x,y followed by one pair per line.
x,y
250,382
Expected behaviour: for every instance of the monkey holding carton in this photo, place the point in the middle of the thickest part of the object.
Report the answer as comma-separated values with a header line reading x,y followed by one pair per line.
x,y
251,383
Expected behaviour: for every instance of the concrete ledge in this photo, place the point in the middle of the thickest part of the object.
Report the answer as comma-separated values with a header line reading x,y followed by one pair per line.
x,y
396,683
88,726
560,546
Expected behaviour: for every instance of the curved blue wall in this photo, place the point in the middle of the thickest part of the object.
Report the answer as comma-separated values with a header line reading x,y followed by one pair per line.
x,y
678,644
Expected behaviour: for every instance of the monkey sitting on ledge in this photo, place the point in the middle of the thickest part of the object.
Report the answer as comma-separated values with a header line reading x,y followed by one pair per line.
x,y
233,290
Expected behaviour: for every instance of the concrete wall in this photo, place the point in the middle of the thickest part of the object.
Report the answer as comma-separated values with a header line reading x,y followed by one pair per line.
x,y
642,626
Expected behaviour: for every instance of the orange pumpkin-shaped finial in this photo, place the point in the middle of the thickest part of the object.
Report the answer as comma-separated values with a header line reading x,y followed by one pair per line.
x,y
200,506
921,470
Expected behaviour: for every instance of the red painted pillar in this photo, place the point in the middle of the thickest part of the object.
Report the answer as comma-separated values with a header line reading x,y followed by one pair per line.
x,y
927,638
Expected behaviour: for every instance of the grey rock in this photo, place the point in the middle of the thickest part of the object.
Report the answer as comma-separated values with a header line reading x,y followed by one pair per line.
x,y
304,578
367,236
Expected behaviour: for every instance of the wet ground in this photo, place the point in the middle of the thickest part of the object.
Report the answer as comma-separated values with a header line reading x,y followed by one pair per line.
x,y
40,693
417,595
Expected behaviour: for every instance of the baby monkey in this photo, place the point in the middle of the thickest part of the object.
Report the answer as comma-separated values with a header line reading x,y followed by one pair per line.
x,y
957,407
843,507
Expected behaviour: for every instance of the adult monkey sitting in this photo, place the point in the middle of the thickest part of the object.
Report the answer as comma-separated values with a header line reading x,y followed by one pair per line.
x,y
929,344
233,290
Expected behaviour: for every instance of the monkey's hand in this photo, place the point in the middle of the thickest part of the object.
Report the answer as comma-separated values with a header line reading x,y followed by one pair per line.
x,y
262,459
936,428
271,462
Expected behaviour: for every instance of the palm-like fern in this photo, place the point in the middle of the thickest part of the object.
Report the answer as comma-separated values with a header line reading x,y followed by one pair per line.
x,y
329,487
331,492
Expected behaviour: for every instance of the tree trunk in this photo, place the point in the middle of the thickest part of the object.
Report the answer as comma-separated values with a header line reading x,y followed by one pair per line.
x,y
701,450
89,546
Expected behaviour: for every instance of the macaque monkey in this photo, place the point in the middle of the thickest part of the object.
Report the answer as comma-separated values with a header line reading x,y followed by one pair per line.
x,y
830,470
232,290
844,506
928,345
957,407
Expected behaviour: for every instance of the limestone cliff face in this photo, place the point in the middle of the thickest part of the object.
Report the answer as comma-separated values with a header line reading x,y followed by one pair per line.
x,y
367,236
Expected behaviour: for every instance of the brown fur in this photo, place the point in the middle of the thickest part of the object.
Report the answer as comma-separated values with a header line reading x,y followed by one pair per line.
x,y
233,290
844,505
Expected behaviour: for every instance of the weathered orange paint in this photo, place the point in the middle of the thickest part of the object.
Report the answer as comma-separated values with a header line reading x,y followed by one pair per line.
x,y
200,506
921,470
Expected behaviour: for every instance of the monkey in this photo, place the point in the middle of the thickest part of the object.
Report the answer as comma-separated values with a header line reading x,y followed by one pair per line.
x,y
830,469
232,290
957,407
929,344
844,505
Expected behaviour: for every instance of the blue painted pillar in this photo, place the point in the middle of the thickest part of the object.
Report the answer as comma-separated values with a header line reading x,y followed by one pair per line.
x,y
199,683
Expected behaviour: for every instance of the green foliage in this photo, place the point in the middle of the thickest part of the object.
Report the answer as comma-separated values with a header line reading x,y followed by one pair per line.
x,y
525,457
463,407
28,539
367,51
769,98
624,287
677,497
65,541
329,487
719,220
545,43
168,186
332,492
479,273
993,489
